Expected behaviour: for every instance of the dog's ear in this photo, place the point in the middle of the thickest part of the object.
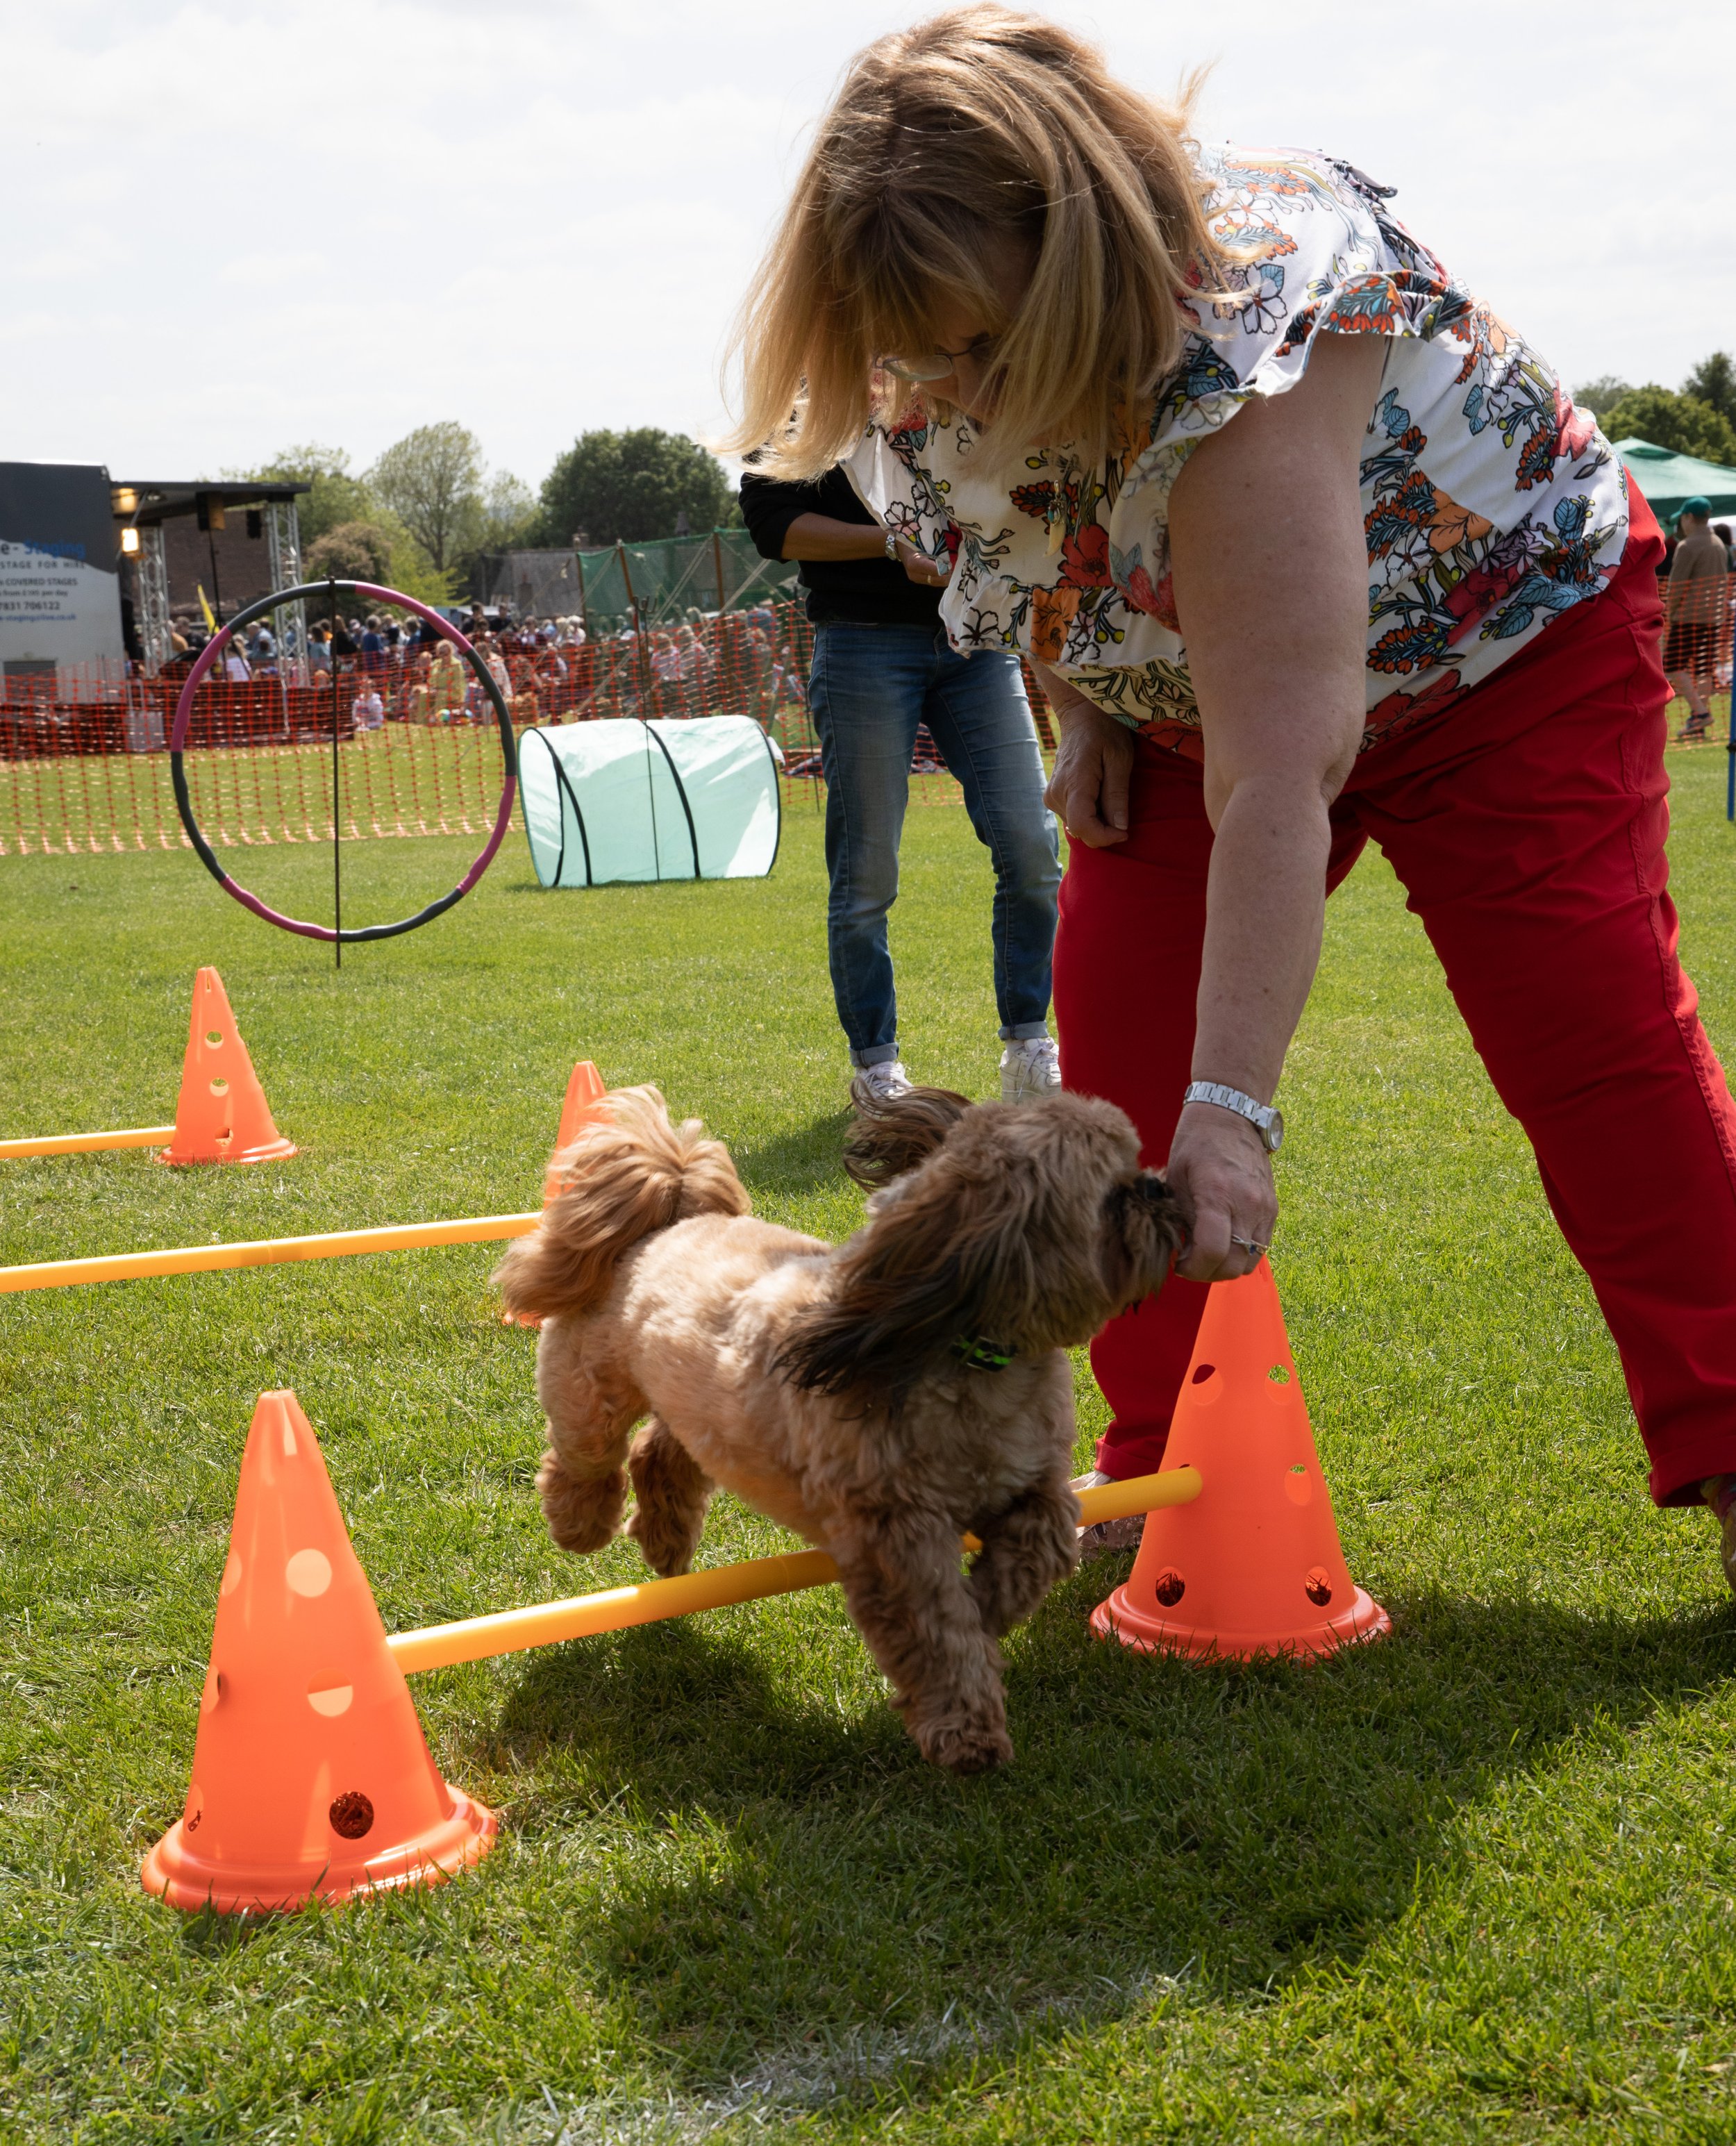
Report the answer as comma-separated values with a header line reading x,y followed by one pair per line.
x,y
893,1134
1143,1234
951,1259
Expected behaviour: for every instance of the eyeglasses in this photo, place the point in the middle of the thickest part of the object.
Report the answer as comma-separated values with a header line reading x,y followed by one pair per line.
x,y
938,363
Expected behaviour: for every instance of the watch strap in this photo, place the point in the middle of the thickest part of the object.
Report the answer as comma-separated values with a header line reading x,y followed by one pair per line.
x,y
1261,1115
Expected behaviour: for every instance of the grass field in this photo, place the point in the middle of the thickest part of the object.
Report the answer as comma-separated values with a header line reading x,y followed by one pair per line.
x,y
1478,1882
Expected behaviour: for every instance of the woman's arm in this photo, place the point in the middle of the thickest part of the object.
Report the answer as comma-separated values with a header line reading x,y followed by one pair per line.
x,y
1270,567
819,536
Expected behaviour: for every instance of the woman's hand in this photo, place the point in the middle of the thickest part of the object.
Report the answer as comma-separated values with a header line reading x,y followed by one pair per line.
x,y
1219,1170
919,567
1093,770
821,537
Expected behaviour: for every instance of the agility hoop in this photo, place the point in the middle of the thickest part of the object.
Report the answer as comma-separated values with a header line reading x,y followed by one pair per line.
x,y
209,657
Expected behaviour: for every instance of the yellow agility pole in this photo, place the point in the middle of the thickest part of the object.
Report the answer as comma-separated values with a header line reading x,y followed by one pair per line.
x,y
87,1143
266,1252
511,1631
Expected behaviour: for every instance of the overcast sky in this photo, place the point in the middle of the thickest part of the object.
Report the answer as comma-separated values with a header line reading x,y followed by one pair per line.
x,y
236,226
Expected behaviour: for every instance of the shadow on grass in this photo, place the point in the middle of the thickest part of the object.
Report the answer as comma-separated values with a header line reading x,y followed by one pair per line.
x,y
617,887
800,1161
801,1875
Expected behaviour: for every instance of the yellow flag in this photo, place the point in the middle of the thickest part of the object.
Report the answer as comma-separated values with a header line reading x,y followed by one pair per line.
x,y
205,607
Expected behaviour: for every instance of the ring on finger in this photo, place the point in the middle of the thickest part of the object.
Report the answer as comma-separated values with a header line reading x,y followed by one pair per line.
x,y
1248,1244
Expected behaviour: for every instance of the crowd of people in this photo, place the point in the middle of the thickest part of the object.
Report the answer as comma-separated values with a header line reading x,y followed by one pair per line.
x,y
394,669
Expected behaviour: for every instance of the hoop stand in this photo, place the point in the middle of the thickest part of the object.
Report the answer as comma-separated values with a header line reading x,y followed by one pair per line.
x,y
334,931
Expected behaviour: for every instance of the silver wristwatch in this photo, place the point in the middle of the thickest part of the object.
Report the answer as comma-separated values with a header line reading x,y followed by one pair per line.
x,y
892,546
1266,1121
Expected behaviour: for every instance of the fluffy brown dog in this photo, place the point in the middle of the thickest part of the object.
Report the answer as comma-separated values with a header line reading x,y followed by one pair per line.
x,y
881,1398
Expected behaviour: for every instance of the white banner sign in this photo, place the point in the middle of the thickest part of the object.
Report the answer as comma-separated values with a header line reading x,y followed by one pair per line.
x,y
60,595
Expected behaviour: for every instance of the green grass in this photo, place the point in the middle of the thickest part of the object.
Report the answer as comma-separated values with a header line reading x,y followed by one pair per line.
x,y
1476,1882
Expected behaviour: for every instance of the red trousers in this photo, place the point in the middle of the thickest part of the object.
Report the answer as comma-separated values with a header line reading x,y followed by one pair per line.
x,y
1527,825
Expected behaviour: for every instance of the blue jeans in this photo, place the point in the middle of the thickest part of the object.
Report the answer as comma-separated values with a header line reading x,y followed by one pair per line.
x,y
871,685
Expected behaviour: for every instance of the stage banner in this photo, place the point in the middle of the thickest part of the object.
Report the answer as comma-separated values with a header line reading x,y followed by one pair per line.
x,y
60,591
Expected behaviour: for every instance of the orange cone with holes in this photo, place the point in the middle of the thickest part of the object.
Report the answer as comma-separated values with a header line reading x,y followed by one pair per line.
x,y
585,1092
1252,1566
221,1115
312,1779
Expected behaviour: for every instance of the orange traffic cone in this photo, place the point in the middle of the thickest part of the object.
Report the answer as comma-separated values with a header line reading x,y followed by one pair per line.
x,y
585,1091
221,1115
1253,1566
311,1776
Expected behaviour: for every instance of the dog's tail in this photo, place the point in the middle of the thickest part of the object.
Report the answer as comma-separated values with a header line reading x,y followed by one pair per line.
x,y
628,1174
892,1135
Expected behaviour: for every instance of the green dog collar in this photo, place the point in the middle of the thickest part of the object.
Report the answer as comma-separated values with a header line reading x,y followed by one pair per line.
x,y
977,1354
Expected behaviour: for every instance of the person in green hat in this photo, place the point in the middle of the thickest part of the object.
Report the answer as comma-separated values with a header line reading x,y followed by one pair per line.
x,y
1697,602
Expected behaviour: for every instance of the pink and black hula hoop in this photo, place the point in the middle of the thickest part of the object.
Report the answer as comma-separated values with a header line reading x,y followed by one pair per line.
x,y
183,717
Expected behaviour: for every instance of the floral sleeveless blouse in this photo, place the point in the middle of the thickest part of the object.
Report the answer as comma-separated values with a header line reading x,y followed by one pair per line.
x,y
1492,506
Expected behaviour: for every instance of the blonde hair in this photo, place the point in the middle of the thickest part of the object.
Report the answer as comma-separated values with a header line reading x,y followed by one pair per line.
x,y
979,131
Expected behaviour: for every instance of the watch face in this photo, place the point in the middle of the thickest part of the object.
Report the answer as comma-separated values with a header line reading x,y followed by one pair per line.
x,y
1274,1133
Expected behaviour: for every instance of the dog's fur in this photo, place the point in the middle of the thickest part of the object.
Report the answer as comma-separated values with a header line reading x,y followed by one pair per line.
x,y
823,1386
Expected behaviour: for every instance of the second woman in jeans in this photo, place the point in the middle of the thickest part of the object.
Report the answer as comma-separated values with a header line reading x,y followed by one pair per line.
x,y
882,666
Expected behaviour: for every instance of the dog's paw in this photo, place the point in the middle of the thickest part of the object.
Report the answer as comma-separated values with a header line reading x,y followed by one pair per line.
x,y
667,1545
582,1515
967,1748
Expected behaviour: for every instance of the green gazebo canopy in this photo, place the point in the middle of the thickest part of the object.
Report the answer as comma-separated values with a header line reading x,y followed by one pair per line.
x,y
1668,479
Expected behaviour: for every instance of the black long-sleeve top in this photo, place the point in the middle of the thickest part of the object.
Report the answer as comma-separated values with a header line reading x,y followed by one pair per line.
x,y
857,591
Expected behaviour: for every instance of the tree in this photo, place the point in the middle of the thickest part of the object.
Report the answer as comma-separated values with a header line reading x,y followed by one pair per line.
x,y
1682,423
378,549
1714,381
336,496
505,514
412,570
432,480
1601,394
632,487
504,520
353,552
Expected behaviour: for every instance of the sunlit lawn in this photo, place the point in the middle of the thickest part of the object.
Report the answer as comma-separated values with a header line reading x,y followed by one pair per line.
x,y
1475,1882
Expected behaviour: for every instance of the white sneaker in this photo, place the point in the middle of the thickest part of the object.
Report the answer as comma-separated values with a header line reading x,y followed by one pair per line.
x,y
884,1083
1103,1536
1030,1068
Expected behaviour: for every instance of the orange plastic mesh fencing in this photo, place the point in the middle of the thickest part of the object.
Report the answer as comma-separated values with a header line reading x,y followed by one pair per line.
x,y
86,769
1698,616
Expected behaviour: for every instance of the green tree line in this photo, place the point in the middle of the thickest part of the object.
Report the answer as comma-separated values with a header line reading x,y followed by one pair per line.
x,y
1697,418
424,515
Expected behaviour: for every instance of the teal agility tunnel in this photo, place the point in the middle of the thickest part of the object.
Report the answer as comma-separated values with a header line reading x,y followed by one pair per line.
x,y
623,800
